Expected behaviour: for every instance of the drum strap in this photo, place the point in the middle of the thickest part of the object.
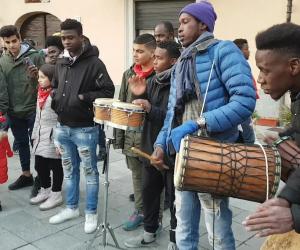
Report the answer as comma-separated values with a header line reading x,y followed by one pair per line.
x,y
280,140
267,169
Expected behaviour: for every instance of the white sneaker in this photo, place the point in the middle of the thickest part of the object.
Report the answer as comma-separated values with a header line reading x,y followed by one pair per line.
x,y
42,195
91,221
55,199
64,215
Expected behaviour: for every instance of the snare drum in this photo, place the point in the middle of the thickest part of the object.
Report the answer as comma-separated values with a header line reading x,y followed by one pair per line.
x,y
102,108
226,169
127,116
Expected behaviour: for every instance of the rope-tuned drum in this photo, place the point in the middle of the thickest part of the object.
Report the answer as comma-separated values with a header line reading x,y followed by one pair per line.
x,y
227,169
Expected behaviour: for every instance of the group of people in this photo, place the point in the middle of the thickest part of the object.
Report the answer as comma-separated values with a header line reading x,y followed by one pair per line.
x,y
47,101
203,84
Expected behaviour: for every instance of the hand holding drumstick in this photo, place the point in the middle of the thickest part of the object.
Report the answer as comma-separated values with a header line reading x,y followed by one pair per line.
x,y
154,162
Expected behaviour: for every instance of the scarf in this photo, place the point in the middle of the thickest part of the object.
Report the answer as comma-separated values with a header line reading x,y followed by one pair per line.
x,y
184,72
138,70
43,94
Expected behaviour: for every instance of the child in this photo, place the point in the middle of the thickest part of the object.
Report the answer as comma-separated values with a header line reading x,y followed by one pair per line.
x,y
155,104
5,151
46,158
143,54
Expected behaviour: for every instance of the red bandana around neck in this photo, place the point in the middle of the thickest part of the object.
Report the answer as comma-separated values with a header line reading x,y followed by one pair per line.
x,y
139,71
43,94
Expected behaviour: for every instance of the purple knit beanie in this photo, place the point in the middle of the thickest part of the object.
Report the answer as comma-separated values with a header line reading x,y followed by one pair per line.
x,y
203,11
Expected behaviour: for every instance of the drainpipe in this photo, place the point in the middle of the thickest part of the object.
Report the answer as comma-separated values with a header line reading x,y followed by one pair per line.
x,y
288,20
289,11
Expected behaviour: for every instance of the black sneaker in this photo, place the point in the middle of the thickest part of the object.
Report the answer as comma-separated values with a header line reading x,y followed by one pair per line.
x,y
131,197
0,207
21,182
36,187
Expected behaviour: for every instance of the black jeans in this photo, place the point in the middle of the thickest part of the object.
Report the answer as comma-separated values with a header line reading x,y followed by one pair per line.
x,y
43,166
153,183
22,130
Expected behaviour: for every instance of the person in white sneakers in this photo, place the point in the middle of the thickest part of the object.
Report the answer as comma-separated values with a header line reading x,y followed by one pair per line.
x,y
80,77
46,158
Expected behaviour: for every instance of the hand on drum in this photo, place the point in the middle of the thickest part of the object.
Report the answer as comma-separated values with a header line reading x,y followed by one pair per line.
x,y
157,159
272,217
188,127
145,104
270,138
137,85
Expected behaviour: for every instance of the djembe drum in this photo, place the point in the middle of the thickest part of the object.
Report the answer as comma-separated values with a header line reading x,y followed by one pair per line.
x,y
227,169
290,156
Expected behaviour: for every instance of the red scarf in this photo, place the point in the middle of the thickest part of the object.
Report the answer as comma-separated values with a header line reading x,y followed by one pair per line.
x,y
139,71
43,94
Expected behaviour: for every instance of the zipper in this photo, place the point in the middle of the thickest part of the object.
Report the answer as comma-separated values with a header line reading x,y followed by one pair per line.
x,y
39,136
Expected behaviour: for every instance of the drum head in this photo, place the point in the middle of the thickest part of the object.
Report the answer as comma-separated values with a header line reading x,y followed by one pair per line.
x,y
180,165
128,107
104,101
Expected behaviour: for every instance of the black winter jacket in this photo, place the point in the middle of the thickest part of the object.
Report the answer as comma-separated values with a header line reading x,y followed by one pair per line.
x,y
158,89
291,192
87,75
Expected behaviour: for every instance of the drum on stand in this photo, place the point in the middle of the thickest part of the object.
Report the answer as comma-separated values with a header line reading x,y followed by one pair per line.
x,y
102,109
126,116
227,169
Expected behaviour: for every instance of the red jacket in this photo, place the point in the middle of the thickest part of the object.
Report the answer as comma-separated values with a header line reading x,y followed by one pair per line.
x,y
5,151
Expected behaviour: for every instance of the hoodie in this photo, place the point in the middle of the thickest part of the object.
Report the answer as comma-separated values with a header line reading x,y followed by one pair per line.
x,y
85,75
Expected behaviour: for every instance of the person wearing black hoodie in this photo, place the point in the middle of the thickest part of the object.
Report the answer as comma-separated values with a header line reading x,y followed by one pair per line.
x,y
156,95
80,77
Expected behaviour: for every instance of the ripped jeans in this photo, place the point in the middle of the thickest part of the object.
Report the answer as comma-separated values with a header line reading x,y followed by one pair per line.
x,y
79,145
188,210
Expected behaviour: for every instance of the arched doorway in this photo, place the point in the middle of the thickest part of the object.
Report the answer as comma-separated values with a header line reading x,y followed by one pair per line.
x,y
37,26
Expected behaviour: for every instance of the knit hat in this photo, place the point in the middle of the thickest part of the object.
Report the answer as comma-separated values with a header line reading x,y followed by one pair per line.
x,y
48,70
203,11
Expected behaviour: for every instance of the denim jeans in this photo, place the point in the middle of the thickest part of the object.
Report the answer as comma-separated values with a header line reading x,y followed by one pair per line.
x,y
22,130
188,210
248,134
79,145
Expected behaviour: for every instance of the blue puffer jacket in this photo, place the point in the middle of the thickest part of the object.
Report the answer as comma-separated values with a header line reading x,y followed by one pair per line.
x,y
230,98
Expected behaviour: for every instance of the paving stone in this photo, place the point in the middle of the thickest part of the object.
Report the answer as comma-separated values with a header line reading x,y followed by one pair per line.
x,y
235,211
240,232
246,247
28,247
27,227
8,240
58,241
255,242
241,216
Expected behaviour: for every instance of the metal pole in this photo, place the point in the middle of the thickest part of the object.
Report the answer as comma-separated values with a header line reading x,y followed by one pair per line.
x,y
289,11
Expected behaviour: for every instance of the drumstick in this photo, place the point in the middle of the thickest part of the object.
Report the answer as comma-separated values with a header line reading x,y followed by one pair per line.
x,y
145,155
